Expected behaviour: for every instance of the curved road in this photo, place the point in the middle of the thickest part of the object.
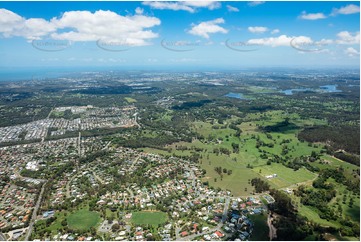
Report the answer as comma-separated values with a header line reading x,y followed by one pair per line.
x,y
272,229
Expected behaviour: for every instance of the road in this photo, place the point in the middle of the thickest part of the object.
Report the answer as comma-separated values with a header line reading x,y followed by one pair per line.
x,y
191,237
225,210
2,237
12,232
34,215
130,192
107,145
97,177
134,162
191,175
67,187
79,151
219,226
272,229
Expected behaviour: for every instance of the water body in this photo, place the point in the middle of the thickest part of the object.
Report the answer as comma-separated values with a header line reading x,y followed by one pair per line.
x,y
330,88
325,88
291,91
236,95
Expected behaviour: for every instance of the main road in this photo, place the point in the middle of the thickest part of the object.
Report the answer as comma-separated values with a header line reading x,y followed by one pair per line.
x,y
34,215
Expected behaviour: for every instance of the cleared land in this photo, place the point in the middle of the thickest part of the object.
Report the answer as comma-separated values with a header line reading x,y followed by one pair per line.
x,y
83,220
151,218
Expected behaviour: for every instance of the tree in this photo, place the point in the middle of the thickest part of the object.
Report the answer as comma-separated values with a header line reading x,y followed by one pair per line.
x,y
115,227
64,223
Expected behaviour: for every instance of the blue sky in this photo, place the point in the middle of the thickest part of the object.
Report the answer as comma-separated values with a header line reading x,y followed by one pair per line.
x,y
172,35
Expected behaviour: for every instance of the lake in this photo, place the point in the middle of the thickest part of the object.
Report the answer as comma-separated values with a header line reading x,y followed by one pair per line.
x,y
236,95
325,88
330,88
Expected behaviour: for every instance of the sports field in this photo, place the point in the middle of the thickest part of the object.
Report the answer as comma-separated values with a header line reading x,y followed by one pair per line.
x,y
151,218
83,219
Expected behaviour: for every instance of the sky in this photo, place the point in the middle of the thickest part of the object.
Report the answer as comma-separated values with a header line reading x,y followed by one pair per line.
x,y
179,35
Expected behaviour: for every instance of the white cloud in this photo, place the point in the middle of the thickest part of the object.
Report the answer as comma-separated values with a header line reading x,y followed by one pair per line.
x,y
257,29
105,25
275,31
312,16
282,40
189,6
139,10
352,52
347,38
232,9
203,4
11,24
208,27
82,26
255,3
349,9
324,42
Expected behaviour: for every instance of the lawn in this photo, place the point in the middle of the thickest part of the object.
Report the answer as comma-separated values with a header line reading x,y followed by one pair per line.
x,y
152,218
83,219
285,176
130,100
312,214
237,182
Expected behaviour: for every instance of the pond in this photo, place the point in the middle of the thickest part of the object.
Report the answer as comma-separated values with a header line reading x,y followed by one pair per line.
x,y
291,91
236,95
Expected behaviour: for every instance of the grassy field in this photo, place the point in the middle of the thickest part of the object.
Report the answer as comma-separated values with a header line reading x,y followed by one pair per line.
x,y
285,176
152,218
83,220
312,214
249,154
130,100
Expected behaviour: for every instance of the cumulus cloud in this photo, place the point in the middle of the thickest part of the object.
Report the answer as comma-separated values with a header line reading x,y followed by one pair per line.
x,y
255,3
82,26
208,27
257,29
11,24
139,10
282,40
189,6
324,42
105,25
347,38
275,31
348,9
232,9
312,16
352,52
